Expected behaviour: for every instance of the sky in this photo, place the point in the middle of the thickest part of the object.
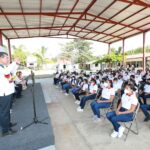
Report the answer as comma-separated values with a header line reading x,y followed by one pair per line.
x,y
54,44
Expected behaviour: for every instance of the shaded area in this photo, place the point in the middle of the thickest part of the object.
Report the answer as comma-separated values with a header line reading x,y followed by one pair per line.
x,y
36,136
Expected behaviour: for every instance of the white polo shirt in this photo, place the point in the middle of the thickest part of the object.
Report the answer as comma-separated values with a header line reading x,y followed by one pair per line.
x,y
147,88
107,93
93,88
85,87
116,86
7,88
120,82
127,101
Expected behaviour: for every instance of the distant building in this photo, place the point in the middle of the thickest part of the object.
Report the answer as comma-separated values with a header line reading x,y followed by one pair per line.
x,y
31,62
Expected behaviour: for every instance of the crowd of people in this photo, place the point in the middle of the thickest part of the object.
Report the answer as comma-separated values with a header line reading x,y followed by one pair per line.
x,y
11,86
127,88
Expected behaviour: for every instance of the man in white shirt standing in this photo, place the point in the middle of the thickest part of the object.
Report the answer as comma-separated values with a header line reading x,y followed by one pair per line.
x,y
7,88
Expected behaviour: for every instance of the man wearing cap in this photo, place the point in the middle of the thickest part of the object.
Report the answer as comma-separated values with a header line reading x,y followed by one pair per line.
x,y
7,88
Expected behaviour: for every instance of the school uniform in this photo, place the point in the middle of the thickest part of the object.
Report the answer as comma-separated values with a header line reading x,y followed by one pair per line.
x,y
93,91
126,101
106,94
7,88
81,92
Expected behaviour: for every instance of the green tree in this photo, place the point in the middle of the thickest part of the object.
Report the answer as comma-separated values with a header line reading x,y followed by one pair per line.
x,y
40,55
78,51
19,52
113,57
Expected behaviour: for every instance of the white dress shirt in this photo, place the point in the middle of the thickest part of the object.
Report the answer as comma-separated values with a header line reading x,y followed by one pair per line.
x,y
6,87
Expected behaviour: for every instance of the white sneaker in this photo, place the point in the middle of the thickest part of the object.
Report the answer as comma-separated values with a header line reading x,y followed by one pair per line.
x,y
121,131
95,117
11,111
97,120
77,102
66,94
114,134
79,109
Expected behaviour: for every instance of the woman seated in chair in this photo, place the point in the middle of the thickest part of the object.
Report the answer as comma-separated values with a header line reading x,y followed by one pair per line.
x,y
91,95
124,112
82,91
107,97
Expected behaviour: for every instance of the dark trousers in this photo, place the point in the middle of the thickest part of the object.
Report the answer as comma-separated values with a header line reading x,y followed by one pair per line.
x,y
114,118
5,102
18,89
77,95
144,97
145,109
97,106
85,99
56,81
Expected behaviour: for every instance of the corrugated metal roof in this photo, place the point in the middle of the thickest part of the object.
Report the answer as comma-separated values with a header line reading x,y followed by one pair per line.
x,y
100,20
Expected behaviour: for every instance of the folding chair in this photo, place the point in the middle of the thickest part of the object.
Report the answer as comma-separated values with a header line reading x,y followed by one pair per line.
x,y
131,123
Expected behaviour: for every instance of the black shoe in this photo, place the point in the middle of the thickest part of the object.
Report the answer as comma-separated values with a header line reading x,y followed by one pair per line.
x,y
10,132
146,119
13,124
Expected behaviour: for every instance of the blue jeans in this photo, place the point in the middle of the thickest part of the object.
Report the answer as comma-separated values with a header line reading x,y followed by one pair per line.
x,y
75,90
95,106
66,87
145,109
114,119
85,99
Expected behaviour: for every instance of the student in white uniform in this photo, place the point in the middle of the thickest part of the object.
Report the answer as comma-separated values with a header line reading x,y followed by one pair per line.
x,y
146,90
7,88
146,107
83,91
124,112
90,96
106,100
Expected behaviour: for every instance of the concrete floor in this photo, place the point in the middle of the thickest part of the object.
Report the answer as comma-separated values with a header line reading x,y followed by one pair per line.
x,y
77,131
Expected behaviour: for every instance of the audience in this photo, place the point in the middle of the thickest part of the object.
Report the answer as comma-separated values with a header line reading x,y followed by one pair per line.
x,y
126,86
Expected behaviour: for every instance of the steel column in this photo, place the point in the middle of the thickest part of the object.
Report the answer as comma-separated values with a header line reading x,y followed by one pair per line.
x,y
144,59
123,61
1,38
9,49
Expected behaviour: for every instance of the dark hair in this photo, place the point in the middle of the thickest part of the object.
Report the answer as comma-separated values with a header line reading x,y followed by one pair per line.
x,y
111,83
93,80
132,87
85,80
2,54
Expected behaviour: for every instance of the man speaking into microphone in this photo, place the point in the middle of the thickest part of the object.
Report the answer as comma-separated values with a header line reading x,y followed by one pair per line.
x,y
7,88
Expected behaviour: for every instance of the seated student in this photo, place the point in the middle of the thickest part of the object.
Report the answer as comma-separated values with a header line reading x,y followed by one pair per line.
x,y
71,83
21,80
146,91
56,78
105,101
115,85
90,96
78,86
145,108
82,91
64,79
124,112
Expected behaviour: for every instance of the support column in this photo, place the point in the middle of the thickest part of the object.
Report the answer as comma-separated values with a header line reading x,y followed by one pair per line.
x,y
144,59
108,48
123,61
9,48
1,39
